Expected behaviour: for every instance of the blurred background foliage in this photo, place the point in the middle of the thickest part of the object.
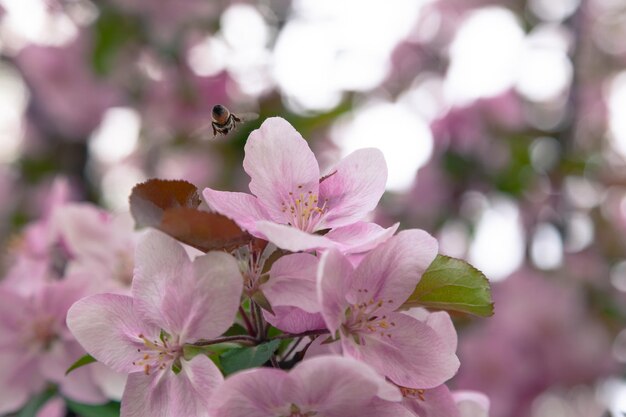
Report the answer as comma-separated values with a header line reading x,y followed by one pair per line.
x,y
503,124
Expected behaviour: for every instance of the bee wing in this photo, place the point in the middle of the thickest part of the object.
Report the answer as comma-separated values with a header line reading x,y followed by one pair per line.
x,y
204,131
247,117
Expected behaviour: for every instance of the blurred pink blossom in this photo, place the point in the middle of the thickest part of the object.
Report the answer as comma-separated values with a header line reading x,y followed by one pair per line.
x,y
36,347
68,97
540,336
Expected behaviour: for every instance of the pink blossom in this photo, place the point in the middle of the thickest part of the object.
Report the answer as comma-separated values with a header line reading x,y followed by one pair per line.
x,y
291,205
71,97
330,386
528,347
360,306
36,346
75,241
174,301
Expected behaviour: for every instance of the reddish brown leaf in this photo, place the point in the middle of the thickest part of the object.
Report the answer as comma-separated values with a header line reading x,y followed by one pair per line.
x,y
171,207
203,230
150,199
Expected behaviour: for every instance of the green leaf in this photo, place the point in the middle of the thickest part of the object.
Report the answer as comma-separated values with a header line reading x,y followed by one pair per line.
x,y
259,298
111,409
34,404
248,357
112,32
85,360
453,285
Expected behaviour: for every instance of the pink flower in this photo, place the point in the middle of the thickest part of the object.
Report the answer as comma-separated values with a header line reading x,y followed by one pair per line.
x,y
360,306
36,347
69,96
291,205
174,301
329,386
76,241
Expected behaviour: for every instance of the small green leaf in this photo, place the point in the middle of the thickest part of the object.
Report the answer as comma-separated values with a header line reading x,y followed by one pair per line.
x,y
177,366
259,298
248,357
453,285
111,409
85,360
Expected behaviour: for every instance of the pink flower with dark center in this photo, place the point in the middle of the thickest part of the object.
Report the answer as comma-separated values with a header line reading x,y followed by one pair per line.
x,y
36,347
292,206
361,307
174,302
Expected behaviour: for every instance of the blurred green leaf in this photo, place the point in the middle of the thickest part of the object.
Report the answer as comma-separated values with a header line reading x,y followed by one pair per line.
x,y
111,31
111,409
34,404
85,360
453,285
248,357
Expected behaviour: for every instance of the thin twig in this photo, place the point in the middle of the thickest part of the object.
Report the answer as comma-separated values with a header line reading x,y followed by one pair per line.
x,y
246,321
307,333
238,338
293,347
260,321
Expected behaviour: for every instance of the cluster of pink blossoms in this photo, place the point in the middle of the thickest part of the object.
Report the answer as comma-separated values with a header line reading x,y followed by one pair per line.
x,y
315,288
74,250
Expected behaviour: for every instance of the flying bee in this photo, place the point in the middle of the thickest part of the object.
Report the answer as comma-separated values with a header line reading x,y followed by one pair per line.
x,y
223,121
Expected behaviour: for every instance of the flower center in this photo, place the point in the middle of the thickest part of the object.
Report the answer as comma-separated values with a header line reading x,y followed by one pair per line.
x,y
368,317
157,355
412,393
303,211
251,263
294,411
43,332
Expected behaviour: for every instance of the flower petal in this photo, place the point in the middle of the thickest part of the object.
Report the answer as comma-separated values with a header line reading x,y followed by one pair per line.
x,y
360,236
180,300
19,379
108,328
380,408
472,403
435,402
254,393
243,208
55,407
440,322
355,187
292,239
146,395
333,274
293,282
279,161
337,382
294,320
214,293
409,353
110,382
78,385
390,272
160,263
165,394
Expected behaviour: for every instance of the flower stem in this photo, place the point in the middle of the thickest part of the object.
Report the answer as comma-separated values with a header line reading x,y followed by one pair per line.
x,y
307,333
238,338
246,321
